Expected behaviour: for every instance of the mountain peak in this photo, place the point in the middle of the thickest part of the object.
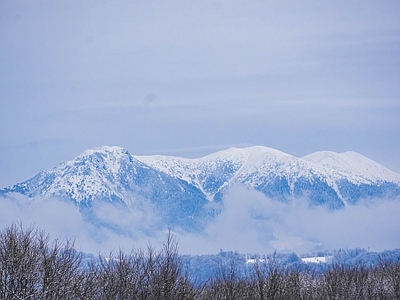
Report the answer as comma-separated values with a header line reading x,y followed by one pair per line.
x,y
354,164
105,150
254,150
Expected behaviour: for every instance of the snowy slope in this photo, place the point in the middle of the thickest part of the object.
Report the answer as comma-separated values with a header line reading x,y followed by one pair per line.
x,y
209,174
111,174
93,174
354,166
324,177
356,177
181,186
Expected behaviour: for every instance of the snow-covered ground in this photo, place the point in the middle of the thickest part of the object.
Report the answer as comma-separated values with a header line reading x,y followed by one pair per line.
x,y
317,259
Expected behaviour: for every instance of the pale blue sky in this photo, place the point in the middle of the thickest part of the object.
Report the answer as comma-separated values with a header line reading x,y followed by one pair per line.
x,y
188,78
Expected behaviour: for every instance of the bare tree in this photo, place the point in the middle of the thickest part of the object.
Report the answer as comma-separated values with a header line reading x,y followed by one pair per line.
x,y
19,260
59,269
388,273
155,275
167,280
32,268
268,279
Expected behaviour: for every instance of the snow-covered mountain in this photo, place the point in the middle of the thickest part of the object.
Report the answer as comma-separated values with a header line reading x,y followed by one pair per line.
x,y
184,190
333,179
112,174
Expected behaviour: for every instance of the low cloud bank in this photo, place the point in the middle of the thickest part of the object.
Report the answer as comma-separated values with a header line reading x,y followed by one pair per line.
x,y
249,223
63,220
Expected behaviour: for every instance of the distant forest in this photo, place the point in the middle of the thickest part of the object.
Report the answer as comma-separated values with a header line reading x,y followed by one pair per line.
x,y
33,266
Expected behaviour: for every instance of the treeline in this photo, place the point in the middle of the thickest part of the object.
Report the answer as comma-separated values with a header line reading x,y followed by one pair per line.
x,y
32,266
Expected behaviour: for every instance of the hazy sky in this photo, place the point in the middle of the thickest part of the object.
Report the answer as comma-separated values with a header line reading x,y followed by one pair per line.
x,y
188,78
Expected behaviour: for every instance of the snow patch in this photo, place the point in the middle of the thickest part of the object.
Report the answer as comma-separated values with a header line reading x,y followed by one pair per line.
x,y
317,259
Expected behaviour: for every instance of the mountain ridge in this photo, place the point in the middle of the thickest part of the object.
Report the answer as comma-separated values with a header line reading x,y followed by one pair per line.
x,y
255,159
182,188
